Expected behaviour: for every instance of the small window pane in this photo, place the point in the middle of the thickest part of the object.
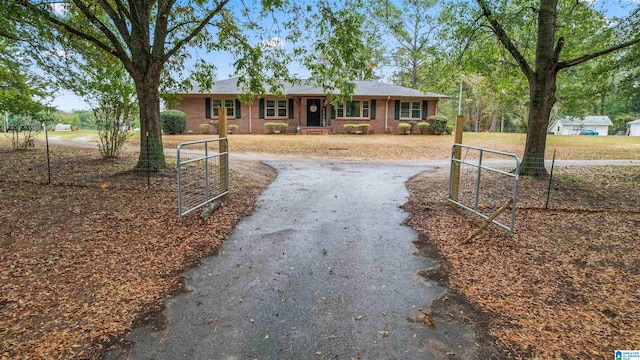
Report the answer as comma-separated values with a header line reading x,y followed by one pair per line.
x,y
282,108
404,109
415,110
340,110
365,109
271,108
215,104
353,108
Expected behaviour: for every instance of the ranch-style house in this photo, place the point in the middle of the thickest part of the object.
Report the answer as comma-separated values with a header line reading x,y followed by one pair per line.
x,y
305,108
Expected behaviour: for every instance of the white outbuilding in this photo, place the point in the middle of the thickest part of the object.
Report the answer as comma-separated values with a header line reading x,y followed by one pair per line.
x,y
590,125
62,127
634,128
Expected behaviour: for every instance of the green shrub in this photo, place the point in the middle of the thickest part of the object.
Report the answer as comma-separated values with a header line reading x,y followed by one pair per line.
x,y
403,128
204,128
356,128
273,128
349,128
423,127
173,121
438,124
232,128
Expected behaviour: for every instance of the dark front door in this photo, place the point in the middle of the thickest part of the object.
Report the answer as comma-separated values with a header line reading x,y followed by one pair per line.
x,y
313,112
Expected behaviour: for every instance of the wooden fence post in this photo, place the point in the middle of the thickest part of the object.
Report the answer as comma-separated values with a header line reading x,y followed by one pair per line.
x,y
222,134
457,153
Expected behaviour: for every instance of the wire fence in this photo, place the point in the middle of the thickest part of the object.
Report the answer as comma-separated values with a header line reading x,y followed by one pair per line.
x,y
571,185
48,160
589,185
581,185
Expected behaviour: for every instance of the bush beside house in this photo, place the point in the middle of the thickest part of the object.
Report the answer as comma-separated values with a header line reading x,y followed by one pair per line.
x,y
276,127
356,128
173,122
404,128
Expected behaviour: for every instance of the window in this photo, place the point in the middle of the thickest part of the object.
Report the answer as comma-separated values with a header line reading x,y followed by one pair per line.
x,y
276,108
228,103
282,108
353,109
410,110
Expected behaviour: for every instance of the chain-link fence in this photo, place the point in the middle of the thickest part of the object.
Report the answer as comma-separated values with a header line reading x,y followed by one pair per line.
x,y
77,162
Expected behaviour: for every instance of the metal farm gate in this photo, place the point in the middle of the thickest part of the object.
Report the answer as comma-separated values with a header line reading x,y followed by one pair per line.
x,y
483,180
203,173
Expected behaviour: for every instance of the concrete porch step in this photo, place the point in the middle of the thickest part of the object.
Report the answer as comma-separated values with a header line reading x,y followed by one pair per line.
x,y
314,131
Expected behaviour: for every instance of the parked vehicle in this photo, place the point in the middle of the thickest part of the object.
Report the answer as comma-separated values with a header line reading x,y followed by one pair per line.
x,y
588,132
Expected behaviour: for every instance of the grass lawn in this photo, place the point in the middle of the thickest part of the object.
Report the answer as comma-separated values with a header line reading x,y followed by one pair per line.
x,y
90,135
390,147
420,146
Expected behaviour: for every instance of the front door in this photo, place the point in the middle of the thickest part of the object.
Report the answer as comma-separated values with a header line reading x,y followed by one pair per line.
x,y
313,112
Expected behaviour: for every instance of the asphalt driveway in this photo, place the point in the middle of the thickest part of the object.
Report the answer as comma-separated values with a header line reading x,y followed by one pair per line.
x,y
324,268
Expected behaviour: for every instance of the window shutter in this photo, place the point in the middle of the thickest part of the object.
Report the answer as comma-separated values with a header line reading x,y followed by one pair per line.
x,y
425,107
290,108
238,109
261,109
333,112
396,114
207,108
373,109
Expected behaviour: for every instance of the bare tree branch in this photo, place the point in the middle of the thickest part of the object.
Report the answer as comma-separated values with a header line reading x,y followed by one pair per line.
x,y
587,57
195,31
505,39
118,21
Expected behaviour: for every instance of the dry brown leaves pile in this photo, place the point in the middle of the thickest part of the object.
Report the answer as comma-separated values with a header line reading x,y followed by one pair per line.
x,y
81,262
566,285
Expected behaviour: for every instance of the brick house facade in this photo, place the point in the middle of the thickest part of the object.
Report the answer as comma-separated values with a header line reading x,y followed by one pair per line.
x,y
305,108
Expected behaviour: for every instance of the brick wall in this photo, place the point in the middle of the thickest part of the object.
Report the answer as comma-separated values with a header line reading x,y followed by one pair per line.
x,y
194,107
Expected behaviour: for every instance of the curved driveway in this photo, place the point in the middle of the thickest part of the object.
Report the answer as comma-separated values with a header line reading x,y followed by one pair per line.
x,y
324,268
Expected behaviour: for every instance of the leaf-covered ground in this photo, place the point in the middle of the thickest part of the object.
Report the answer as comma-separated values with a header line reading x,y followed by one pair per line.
x,y
84,259
566,285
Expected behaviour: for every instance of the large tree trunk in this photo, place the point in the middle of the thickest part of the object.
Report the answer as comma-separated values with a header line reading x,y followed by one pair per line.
x,y
493,126
151,157
542,92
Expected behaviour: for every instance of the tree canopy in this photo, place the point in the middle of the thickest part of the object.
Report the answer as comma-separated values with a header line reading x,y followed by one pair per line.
x,y
154,38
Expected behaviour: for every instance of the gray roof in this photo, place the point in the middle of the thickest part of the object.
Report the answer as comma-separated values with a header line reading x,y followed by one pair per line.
x,y
634,122
587,121
363,88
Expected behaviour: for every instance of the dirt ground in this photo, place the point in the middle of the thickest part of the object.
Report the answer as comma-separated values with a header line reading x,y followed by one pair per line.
x,y
564,286
81,262
85,259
